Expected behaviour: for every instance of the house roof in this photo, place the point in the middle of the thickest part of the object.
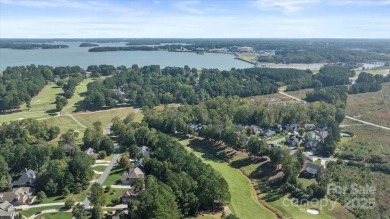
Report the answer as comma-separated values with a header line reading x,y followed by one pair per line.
x,y
269,133
144,150
90,151
134,173
6,209
130,193
16,194
27,177
312,168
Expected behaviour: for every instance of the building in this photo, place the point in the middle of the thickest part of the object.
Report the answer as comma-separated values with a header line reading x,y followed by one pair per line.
x,y
27,178
311,169
293,127
144,151
129,177
18,196
309,127
7,210
129,195
92,152
268,133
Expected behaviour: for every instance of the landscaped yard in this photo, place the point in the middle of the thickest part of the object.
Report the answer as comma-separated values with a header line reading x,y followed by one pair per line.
x,y
99,168
243,197
114,177
56,215
113,194
76,197
32,211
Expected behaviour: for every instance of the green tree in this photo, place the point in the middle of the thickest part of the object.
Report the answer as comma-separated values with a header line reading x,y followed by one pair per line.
x,y
41,196
107,145
5,178
61,102
96,195
254,145
97,212
78,212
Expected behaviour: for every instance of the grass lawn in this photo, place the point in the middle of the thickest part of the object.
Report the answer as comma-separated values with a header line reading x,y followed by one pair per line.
x,y
243,197
65,123
207,216
113,194
76,197
56,215
306,182
104,117
114,177
301,94
276,137
78,96
99,168
32,211
42,105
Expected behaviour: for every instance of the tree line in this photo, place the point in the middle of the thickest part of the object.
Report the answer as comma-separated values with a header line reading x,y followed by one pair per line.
x,y
60,170
178,184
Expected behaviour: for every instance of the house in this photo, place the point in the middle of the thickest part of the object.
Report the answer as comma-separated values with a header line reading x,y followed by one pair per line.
x,y
129,177
278,128
311,169
92,152
268,133
88,74
293,141
27,178
139,163
312,140
255,129
129,195
293,127
196,127
7,210
143,151
18,196
309,127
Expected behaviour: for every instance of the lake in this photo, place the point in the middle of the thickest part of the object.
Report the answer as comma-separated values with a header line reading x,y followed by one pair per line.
x,y
75,55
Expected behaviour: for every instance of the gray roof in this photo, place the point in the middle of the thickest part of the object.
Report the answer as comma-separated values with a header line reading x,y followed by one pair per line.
x,y
269,133
6,210
312,168
144,150
27,177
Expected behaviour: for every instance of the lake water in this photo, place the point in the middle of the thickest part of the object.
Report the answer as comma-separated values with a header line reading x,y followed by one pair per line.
x,y
75,55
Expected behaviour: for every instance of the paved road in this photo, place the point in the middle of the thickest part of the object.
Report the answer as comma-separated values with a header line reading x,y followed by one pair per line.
x,y
348,117
106,172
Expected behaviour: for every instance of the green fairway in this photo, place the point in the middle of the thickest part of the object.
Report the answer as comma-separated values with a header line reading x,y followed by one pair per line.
x,y
65,123
104,116
328,209
244,203
42,105
78,96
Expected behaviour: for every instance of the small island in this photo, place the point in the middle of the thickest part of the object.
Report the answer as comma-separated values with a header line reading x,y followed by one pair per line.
x,y
88,45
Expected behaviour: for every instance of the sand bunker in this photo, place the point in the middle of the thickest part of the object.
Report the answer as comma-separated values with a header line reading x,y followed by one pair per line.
x,y
313,211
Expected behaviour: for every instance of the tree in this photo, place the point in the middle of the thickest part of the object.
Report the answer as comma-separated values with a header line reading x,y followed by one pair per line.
x,y
61,102
254,145
96,195
78,212
124,162
134,151
97,212
40,196
107,145
69,203
5,178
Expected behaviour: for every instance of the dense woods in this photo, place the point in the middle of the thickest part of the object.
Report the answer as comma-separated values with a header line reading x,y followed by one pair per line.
x,y
218,118
150,86
175,178
368,83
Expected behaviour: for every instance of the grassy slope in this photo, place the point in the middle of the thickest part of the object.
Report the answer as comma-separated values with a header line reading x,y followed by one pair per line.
x,y
57,215
32,211
105,117
243,197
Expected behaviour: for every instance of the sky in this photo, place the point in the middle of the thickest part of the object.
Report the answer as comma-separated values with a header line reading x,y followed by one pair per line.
x,y
195,19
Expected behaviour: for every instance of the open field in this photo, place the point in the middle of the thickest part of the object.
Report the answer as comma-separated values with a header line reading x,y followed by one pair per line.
x,y
105,116
243,197
369,133
376,71
60,198
263,99
42,105
371,107
65,123
301,94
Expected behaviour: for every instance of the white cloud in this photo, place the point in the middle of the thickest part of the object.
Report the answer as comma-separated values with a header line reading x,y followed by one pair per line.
x,y
287,6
